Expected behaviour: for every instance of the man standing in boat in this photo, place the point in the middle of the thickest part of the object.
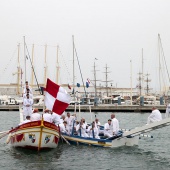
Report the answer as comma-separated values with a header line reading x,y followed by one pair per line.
x,y
27,106
69,119
154,116
115,124
26,87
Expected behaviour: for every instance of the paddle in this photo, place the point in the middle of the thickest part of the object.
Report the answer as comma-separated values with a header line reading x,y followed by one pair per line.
x,y
4,134
65,139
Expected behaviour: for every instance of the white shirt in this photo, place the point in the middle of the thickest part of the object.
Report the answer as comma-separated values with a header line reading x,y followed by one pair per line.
x,y
25,96
56,118
97,124
108,129
154,116
83,130
90,132
48,117
27,102
35,117
64,129
25,121
69,120
115,124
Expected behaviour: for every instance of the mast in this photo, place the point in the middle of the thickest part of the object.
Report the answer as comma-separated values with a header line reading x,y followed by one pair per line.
x,y
147,84
25,60
45,67
73,69
131,82
139,84
19,71
95,89
32,75
142,76
159,51
57,65
106,80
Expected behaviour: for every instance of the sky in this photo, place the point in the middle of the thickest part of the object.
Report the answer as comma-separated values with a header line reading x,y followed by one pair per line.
x,y
113,31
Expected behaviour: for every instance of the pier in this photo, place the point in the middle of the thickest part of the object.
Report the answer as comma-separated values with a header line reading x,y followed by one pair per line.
x,y
99,108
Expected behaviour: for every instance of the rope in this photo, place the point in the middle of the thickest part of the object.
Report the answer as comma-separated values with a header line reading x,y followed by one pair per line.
x,y
80,70
33,70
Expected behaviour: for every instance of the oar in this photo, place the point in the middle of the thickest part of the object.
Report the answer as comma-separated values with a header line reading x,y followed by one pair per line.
x,y
4,134
65,139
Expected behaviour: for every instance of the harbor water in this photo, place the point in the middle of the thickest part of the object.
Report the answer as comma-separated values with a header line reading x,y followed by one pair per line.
x,y
151,154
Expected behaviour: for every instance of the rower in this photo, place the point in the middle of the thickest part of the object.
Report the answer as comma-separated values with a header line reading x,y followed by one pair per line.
x,y
26,120
35,115
108,129
93,131
47,116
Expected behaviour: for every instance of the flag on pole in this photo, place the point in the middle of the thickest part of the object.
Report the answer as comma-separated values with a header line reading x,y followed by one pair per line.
x,y
87,83
56,98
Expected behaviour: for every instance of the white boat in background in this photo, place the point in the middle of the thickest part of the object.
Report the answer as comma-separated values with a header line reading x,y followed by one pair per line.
x,y
36,135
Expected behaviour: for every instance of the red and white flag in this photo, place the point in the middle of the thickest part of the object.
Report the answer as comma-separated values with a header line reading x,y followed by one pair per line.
x,y
56,98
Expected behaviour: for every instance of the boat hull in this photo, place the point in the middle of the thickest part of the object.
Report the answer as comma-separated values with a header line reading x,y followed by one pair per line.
x,y
35,135
111,143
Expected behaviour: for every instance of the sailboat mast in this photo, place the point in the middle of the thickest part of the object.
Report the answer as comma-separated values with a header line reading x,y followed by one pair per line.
x,y
73,69
95,80
131,82
32,76
25,61
142,75
45,67
57,65
159,51
18,73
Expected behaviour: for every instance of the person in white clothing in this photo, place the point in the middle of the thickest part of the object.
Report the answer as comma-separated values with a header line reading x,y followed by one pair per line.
x,y
69,119
56,119
167,113
108,129
154,116
64,128
97,123
81,129
47,116
27,87
27,106
27,92
115,124
93,131
35,115
26,120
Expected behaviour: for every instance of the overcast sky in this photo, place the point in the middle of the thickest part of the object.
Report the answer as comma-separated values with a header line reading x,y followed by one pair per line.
x,y
113,31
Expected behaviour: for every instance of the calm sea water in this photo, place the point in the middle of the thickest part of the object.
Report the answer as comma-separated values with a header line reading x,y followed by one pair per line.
x,y
151,154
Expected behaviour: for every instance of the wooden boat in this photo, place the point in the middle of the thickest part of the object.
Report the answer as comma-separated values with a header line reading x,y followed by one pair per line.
x,y
113,142
34,135
126,138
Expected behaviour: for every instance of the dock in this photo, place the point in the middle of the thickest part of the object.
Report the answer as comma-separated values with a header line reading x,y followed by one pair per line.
x,y
99,108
